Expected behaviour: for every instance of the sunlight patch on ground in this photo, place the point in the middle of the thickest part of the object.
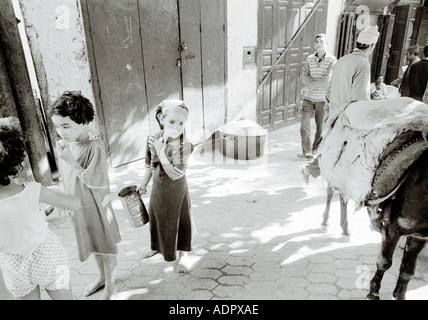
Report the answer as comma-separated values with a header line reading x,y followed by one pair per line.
x,y
126,295
305,251
304,226
216,246
169,269
237,228
267,233
130,253
236,244
190,261
157,281
200,251
417,294
230,235
304,238
238,251
221,182
125,243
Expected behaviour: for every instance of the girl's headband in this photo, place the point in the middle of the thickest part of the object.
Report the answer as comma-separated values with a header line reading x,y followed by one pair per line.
x,y
168,106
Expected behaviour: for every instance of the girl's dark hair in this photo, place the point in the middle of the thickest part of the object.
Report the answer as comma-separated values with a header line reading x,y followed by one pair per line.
x,y
158,115
72,104
12,153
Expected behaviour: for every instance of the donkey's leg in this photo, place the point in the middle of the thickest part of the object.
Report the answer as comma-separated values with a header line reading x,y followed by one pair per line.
x,y
390,237
344,217
324,223
408,265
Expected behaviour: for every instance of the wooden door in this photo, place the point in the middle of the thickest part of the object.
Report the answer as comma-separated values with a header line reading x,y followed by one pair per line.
x,y
278,20
265,58
115,37
398,43
422,28
294,61
346,35
159,27
282,34
213,47
145,51
384,44
203,71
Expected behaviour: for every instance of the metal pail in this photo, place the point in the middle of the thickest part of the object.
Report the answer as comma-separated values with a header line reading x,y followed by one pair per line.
x,y
134,207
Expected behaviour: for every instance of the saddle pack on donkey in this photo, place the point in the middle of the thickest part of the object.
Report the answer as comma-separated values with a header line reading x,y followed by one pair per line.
x,y
369,147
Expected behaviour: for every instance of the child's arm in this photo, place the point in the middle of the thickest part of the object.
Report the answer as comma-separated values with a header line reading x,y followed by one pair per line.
x,y
171,170
59,199
312,83
142,187
176,165
65,154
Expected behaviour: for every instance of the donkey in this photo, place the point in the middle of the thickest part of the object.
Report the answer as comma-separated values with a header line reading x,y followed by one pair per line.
x,y
402,211
408,216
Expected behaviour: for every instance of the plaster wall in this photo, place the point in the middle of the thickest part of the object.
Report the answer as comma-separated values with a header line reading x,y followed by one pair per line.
x,y
334,14
241,83
57,43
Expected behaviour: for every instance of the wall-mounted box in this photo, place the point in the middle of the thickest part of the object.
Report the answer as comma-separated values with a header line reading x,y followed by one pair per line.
x,y
248,57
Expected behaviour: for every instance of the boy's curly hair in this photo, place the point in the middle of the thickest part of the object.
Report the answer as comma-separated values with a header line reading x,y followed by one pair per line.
x,y
72,104
12,153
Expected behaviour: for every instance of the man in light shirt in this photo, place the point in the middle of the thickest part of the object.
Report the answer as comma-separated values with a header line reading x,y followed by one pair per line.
x,y
349,82
316,77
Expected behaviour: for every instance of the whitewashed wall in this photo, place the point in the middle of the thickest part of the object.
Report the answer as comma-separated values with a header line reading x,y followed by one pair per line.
x,y
57,41
241,84
334,12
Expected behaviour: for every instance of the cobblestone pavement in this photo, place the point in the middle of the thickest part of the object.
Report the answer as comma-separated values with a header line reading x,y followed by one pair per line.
x,y
258,237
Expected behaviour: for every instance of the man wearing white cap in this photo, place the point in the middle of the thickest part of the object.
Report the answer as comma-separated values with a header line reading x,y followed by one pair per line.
x,y
349,82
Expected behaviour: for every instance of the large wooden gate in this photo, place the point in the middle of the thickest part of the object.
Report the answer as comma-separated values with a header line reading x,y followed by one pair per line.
x,y
286,32
398,43
145,51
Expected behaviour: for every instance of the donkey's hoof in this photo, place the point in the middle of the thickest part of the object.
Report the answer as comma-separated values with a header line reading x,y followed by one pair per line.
x,y
372,296
398,296
324,229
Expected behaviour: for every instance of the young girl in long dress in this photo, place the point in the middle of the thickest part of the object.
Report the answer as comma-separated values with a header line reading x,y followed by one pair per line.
x,y
84,173
167,155
31,256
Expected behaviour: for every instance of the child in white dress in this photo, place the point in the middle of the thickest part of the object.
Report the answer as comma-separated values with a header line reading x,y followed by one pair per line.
x,y
31,256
